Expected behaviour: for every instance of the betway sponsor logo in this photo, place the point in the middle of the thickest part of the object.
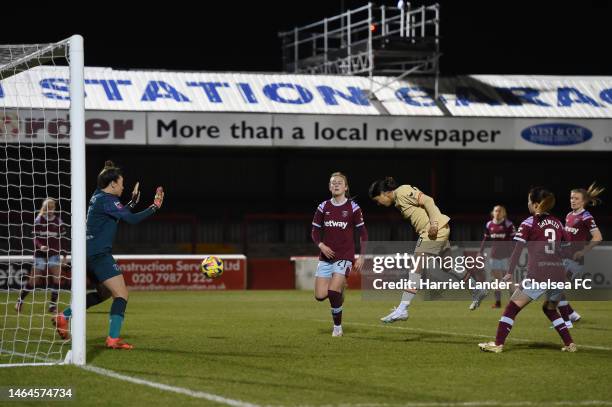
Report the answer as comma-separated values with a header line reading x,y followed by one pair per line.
x,y
335,224
498,235
573,231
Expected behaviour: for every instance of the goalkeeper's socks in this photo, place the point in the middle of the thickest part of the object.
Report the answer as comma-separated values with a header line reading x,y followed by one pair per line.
x,y
117,313
92,299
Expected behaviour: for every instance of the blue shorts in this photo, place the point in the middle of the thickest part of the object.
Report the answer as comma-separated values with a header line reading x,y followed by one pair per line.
x,y
574,268
41,263
101,267
499,264
535,293
326,269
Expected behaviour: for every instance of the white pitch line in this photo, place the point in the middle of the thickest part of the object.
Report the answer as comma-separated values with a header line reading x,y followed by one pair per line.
x,y
476,404
447,333
47,361
239,403
166,387
119,376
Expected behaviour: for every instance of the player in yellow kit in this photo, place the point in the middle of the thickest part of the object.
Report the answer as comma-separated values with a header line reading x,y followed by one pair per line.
x,y
431,225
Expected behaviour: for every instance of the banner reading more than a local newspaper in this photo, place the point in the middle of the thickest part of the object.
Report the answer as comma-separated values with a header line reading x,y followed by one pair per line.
x,y
309,131
392,132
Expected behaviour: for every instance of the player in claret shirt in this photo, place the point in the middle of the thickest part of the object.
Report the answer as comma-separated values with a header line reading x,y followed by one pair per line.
x,y
499,231
583,234
49,243
337,218
542,233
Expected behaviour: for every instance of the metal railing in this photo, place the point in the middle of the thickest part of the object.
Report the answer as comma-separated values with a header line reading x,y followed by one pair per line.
x,y
345,44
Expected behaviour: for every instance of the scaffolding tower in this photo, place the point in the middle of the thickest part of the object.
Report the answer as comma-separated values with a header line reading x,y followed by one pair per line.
x,y
369,40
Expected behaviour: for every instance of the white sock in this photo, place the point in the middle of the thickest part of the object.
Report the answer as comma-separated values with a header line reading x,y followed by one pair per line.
x,y
475,291
406,299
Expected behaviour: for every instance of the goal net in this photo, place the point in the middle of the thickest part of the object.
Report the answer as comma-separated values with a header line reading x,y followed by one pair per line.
x,y
42,201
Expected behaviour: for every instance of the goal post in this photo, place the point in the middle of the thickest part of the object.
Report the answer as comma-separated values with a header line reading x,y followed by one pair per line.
x,y
78,204
42,145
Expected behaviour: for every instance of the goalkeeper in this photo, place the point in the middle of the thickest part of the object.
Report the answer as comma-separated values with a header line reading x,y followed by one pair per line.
x,y
103,214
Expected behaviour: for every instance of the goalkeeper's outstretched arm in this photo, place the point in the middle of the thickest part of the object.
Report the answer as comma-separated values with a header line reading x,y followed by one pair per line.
x,y
118,211
135,197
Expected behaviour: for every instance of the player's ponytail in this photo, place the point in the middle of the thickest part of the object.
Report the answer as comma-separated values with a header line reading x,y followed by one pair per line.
x,y
543,197
590,195
382,185
108,174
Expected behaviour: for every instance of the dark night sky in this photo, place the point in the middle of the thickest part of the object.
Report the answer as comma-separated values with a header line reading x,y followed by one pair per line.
x,y
537,37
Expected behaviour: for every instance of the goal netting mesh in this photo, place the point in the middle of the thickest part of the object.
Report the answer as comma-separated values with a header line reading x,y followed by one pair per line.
x,y
35,201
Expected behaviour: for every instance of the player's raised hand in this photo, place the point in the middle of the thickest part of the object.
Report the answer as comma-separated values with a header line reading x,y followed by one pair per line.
x,y
158,200
136,193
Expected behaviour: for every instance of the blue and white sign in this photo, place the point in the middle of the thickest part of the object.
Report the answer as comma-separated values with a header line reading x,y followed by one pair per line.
x,y
557,134
464,96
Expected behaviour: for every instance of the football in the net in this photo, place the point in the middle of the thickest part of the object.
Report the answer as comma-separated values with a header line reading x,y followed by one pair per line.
x,y
212,267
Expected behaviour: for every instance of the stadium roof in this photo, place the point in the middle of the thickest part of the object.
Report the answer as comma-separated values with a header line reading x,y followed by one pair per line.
x,y
463,96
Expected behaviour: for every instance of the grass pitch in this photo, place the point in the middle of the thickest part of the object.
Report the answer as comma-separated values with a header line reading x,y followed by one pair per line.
x,y
275,348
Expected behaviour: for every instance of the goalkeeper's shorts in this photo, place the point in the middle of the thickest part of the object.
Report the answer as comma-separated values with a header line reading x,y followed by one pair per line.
x,y
101,267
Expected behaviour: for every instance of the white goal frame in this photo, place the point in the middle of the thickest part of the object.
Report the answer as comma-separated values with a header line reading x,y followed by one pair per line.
x,y
73,49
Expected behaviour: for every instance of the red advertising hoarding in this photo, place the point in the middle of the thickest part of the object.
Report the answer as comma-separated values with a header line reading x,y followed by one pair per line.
x,y
180,272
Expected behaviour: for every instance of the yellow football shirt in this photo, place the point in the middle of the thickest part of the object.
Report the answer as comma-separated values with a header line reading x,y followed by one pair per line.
x,y
407,201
